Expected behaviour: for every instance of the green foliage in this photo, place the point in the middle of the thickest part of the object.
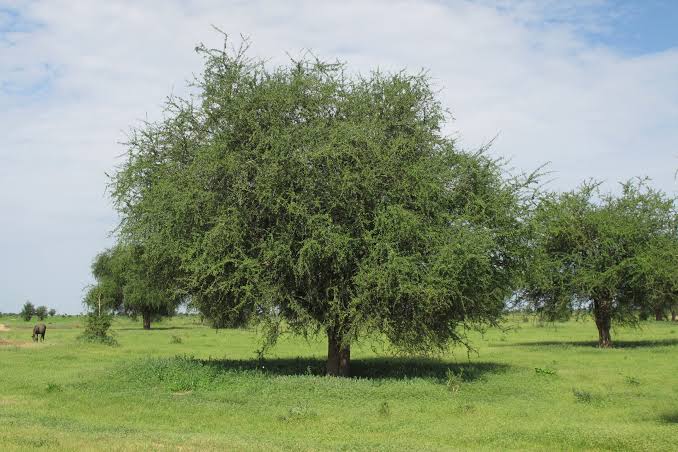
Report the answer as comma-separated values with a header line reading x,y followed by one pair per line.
x,y
53,387
454,380
582,396
129,281
107,292
653,273
329,202
41,312
669,417
97,326
609,255
633,381
384,409
180,373
544,371
52,312
27,311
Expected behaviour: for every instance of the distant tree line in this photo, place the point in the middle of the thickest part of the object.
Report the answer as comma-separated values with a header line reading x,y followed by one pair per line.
x,y
28,311
309,201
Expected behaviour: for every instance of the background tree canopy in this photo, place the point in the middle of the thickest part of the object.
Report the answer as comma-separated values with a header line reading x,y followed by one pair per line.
x,y
130,281
41,312
311,201
27,311
612,256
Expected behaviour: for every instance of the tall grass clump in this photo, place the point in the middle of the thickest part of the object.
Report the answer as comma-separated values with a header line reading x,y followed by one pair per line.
x,y
180,373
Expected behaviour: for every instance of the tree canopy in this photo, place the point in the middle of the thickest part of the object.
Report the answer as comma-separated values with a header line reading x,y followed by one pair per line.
x,y
127,281
27,311
41,312
312,201
610,255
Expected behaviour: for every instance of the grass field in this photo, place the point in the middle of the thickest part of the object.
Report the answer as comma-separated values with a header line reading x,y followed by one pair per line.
x,y
182,385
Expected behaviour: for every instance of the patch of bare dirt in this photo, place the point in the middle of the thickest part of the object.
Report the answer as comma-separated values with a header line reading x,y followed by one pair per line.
x,y
182,393
4,327
10,401
20,344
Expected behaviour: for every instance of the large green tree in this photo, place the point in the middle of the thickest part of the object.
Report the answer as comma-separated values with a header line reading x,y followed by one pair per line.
x,y
306,199
129,281
609,255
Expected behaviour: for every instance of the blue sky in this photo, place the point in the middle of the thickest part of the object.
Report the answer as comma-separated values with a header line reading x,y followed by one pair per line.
x,y
589,86
638,27
632,27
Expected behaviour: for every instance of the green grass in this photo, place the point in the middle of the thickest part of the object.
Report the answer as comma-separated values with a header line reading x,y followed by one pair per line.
x,y
182,385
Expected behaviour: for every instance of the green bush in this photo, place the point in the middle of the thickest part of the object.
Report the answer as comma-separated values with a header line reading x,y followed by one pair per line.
x,y
633,381
544,371
97,329
53,387
582,396
454,380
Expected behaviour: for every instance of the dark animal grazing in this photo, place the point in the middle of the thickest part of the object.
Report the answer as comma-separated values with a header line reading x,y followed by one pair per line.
x,y
39,332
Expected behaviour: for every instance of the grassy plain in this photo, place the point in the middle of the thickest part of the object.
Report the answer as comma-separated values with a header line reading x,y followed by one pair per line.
x,y
184,386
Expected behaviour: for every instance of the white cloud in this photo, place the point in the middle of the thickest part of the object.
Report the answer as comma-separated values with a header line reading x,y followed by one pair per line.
x,y
75,75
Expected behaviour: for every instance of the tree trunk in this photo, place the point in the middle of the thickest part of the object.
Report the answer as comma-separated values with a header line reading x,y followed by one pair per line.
x,y
603,319
659,314
338,355
147,321
673,315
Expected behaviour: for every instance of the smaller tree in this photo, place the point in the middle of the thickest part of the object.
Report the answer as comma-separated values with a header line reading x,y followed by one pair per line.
x,y
99,318
130,280
27,311
148,284
653,274
52,312
41,312
612,256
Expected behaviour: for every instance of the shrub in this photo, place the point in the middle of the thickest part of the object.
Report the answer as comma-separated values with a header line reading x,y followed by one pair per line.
x,y
633,381
96,329
582,396
181,373
669,417
175,340
454,380
53,387
544,371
